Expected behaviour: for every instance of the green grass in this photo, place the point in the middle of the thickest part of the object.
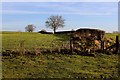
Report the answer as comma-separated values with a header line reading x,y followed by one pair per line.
x,y
53,65
12,40
60,66
111,35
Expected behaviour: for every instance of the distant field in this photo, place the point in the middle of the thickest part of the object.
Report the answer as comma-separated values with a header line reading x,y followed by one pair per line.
x,y
53,65
111,35
12,40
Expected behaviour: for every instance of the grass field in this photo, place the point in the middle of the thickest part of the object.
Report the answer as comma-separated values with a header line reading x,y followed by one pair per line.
x,y
60,66
53,65
111,35
12,40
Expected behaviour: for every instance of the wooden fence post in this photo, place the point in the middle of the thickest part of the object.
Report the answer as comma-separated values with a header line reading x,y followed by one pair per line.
x,y
102,46
117,44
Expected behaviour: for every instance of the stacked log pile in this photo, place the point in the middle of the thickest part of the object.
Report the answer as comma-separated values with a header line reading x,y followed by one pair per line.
x,y
89,44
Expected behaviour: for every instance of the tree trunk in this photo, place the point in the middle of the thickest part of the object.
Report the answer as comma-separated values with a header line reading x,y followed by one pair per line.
x,y
54,30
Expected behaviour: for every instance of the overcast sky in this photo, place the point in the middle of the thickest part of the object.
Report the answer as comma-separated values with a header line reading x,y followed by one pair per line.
x,y
100,15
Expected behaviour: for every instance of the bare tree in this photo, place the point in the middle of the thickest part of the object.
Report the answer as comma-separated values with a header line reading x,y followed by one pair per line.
x,y
55,22
30,28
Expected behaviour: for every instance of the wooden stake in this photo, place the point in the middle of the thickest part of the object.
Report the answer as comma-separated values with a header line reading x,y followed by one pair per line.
x,y
117,44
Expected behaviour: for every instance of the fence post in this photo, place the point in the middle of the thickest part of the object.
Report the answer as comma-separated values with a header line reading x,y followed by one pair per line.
x,y
102,46
117,44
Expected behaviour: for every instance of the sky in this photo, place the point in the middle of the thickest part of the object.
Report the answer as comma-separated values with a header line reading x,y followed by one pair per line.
x,y
99,15
60,0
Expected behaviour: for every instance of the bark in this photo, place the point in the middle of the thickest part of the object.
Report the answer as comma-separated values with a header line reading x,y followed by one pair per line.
x,y
54,30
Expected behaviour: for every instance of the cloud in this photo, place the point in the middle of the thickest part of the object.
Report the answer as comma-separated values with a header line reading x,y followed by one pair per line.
x,y
68,8
52,13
